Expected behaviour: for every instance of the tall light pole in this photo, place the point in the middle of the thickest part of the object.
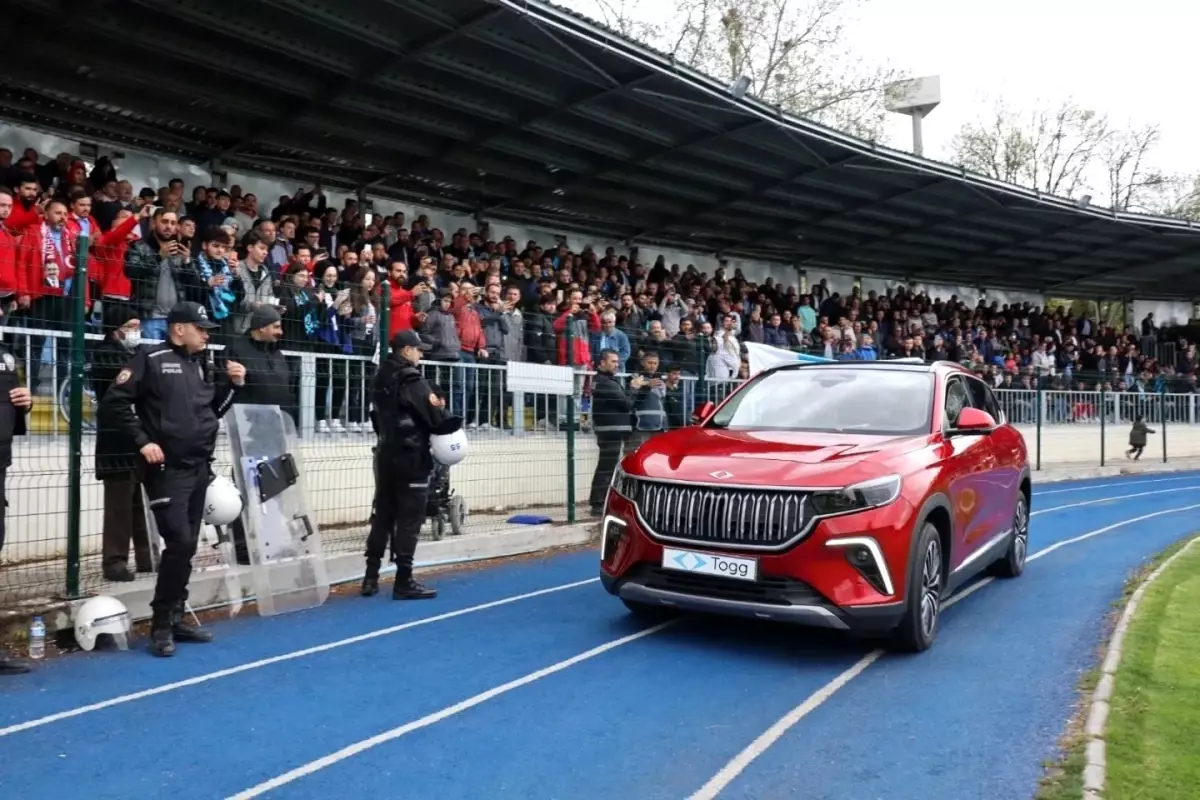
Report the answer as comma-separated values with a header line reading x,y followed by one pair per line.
x,y
915,97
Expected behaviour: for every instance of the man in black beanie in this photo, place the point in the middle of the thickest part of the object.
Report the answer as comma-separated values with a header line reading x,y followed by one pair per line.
x,y
269,382
269,377
116,454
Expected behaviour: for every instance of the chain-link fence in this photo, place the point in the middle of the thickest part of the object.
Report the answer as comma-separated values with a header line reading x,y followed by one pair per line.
x,y
76,518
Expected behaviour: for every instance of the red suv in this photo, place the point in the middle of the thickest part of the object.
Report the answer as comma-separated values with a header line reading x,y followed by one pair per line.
x,y
854,496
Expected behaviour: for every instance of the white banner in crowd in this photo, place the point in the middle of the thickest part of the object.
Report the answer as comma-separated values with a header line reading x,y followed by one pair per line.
x,y
761,356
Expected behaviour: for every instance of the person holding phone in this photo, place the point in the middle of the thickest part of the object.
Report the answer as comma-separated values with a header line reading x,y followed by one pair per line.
x,y
333,338
161,274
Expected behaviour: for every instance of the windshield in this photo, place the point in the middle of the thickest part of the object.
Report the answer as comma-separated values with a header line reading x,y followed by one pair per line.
x,y
833,400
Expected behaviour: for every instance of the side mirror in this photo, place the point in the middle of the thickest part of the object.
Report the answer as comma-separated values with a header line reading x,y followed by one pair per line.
x,y
973,422
703,412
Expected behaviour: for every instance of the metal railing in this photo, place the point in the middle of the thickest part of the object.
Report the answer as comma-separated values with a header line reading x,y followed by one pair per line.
x,y
532,452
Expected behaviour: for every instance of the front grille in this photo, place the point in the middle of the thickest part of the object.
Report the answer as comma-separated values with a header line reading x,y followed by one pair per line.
x,y
767,590
721,516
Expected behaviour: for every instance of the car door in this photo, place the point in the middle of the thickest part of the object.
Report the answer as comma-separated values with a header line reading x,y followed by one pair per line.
x,y
1000,485
968,472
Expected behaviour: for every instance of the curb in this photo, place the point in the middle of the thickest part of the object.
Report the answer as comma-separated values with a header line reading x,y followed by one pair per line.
x,y
1097,720
208,590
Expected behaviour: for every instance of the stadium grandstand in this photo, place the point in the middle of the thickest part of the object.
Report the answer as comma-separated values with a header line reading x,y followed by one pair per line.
x,y
521,186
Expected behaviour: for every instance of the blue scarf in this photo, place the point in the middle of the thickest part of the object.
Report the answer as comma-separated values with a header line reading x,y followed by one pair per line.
x,y
220,297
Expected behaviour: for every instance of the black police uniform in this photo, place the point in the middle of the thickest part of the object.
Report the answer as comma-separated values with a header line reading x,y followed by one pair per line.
x,y
612,410
12,423
404,420
168,397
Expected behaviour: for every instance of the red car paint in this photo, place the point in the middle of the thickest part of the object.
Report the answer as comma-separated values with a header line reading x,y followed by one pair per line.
x,y
965,481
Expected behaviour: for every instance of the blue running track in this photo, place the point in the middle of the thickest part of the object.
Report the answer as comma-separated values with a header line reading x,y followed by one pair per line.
x,y
551,691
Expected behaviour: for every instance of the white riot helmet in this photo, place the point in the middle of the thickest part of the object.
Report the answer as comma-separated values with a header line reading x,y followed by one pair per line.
x,y
102,615
448,442
222,502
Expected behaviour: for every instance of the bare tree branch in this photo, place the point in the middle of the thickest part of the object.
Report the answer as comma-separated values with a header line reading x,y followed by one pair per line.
x,y
1053,151
793,50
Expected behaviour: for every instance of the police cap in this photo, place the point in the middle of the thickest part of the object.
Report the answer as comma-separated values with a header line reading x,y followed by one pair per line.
x,y
192,313
410,339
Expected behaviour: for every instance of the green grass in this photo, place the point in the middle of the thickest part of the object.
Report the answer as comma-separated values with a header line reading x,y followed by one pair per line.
x,y
1063,779
1154,726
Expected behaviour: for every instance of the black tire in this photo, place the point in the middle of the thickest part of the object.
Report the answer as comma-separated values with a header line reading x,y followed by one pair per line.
x,y
648,613
458,514
1013,562
926,584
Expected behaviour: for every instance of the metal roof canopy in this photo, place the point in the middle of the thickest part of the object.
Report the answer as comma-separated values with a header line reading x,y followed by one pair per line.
x,y
522,111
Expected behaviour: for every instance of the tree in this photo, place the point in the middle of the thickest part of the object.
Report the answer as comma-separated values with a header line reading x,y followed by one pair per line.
x,y
1051,150
1125,157
793,50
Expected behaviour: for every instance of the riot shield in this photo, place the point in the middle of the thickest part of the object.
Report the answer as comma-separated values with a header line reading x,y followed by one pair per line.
x,y
283,541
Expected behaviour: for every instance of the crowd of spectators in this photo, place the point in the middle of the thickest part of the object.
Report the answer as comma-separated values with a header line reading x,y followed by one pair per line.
x,y
481,300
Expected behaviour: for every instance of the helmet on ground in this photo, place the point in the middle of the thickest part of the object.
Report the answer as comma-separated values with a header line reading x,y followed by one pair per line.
x,y
99,616
222,502
448,442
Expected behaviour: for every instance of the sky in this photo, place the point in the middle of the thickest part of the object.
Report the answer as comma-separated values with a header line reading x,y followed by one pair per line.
x,y
1127,59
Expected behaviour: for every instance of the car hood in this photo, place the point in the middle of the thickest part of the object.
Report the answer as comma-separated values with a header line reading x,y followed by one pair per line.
x,y
770,458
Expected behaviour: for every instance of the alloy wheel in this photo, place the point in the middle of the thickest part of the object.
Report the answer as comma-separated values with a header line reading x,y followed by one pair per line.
x,y
931,588
1020,530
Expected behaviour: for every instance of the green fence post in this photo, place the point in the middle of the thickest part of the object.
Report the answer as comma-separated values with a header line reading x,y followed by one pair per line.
x,y
1103,409
570,342
75,429
1041,399
1162,403
385,320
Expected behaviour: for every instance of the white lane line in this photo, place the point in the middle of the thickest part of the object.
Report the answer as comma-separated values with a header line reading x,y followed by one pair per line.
x,y
1103,500
773,734
1114,483
266,662
438,716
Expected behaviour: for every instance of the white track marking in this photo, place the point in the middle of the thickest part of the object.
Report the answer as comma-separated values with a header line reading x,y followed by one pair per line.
x,y
266,662
1103,500
771,735
438,716
1114,483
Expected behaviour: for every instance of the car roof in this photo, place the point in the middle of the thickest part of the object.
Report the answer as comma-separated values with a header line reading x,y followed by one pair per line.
x,y
936,367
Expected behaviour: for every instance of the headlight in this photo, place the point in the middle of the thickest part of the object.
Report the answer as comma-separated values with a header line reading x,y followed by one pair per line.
x,y
859,497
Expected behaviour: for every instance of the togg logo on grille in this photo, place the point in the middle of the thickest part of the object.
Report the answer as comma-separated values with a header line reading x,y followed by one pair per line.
x,y
720,475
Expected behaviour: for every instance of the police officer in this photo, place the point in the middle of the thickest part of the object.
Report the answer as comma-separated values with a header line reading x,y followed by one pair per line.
x,y
167,400
612,414
406,412
15,402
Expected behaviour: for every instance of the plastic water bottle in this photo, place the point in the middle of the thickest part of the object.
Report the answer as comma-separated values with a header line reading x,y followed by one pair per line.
x,y
37,638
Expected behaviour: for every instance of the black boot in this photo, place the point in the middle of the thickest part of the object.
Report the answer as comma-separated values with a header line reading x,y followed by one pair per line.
x,y
185,631
410,589
119,574
370,582
162,640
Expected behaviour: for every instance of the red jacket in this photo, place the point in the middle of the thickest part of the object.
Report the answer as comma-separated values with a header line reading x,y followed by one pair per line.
x,y
107,264
400,310
21,217
8,262
581,346
470,327
31,265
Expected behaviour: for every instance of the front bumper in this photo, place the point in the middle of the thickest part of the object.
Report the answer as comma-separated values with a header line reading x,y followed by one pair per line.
x,y
812,583
721,596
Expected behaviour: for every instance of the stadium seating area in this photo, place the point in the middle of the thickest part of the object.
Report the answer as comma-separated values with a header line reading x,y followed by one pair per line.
x,y
490,302
481,303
